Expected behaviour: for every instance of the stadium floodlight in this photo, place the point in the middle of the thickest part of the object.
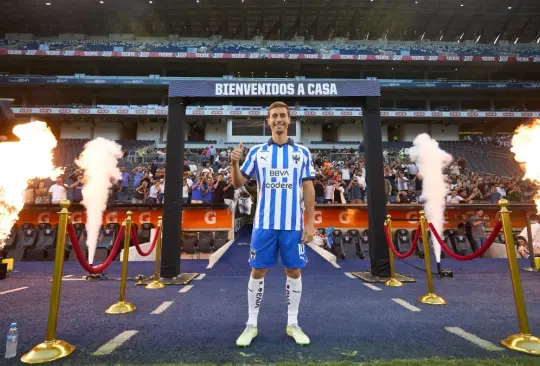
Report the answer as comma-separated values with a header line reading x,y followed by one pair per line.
x,y
516,40
461,3
497,38
48,4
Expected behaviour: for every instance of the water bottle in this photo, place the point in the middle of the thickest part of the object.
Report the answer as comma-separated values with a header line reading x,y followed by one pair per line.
x,y
11,343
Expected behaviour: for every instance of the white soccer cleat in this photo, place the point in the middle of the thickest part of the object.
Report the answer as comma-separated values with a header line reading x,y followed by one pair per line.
x,y
299,336
247,336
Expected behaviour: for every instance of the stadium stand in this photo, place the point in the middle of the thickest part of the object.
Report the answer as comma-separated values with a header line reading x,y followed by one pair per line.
x,y
292,47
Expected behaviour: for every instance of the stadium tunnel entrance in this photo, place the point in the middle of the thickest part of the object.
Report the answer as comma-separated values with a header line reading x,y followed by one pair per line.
x,y
192,91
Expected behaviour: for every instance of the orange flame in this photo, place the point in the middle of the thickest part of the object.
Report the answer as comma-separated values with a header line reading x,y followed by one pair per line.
x,y
525,146
29,158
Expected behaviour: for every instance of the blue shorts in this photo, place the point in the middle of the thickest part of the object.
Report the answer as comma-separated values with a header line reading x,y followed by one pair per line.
x,y
265,245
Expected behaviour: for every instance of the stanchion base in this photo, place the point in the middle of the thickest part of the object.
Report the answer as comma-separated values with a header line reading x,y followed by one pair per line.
x,y
154,285
524,343
432,299
369,278
530,269
121,307
181,279
48,351
393,283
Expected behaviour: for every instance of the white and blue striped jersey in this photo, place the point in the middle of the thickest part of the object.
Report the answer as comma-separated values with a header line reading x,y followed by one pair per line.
x,y
280,171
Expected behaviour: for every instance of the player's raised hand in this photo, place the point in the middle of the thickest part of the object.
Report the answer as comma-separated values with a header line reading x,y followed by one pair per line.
x,y
237,153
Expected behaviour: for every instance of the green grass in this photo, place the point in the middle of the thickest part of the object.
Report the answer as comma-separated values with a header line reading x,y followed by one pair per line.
x,y
504,361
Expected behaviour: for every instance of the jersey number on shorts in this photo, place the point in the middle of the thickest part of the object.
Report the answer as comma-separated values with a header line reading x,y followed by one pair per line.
x,y
301,249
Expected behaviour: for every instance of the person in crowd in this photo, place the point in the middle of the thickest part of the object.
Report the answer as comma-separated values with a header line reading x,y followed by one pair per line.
x,y
155,190
141,193
76,187
523,248
329,191
411,195
454,198
402,182
138,174
185,191
320,188
208,192
403,197
42,193
219,185
197,191
228,193
125,180
29,194
356,191
339,193
58,191
478,228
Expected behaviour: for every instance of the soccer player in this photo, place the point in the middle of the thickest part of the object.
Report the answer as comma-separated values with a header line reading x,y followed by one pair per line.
x,y
285,175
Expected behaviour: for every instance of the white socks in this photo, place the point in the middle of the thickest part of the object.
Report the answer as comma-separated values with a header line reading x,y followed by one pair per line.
x,y
255,295
293,292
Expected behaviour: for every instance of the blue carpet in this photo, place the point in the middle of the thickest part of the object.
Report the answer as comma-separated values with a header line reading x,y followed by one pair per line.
x,y
346,320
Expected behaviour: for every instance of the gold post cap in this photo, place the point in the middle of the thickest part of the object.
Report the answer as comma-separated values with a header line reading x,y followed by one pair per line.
x,y
422,213
503,203
388,217
65,203
129,213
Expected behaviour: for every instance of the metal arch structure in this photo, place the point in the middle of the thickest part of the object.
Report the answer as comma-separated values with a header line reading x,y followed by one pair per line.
x,y
362,93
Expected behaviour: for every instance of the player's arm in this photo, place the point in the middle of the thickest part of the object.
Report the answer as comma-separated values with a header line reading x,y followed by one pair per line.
x,y
241,174
309,204
238,179
308,190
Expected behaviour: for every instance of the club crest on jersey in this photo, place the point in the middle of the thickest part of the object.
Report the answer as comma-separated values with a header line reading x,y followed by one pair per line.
x,y
296,158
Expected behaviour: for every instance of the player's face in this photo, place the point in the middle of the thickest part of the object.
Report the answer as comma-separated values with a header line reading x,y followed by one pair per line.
x,y
279,120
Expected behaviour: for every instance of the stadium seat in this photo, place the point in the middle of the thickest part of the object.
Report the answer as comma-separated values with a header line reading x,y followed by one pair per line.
x,y
12,239
189,242
145,232
348,248
462,245
45,240
338,241
221,238
80,231
26,239
206,239
364,245
355,235
402,240
104,243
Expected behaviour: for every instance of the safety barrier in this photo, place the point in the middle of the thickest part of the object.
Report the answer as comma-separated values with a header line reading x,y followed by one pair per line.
x,y
490,240
136,241
413,244
80,255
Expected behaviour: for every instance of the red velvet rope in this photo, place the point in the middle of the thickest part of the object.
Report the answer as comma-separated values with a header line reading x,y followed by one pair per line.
x,y
413,244
135,238
474,255
80,255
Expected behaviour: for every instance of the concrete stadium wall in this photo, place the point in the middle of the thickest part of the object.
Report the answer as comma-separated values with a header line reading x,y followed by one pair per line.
x,y
76,130
149,131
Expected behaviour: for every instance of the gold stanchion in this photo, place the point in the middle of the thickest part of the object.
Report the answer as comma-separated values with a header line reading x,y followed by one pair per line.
x,y
156,283
392,282
430,298
54,349
122,306
523,342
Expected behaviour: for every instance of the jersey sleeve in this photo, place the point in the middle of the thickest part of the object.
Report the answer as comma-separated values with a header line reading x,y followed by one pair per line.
x,y
250,165
308,171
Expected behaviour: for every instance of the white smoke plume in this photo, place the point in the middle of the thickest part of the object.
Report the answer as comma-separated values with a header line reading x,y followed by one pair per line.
x,y
99,161
431,160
